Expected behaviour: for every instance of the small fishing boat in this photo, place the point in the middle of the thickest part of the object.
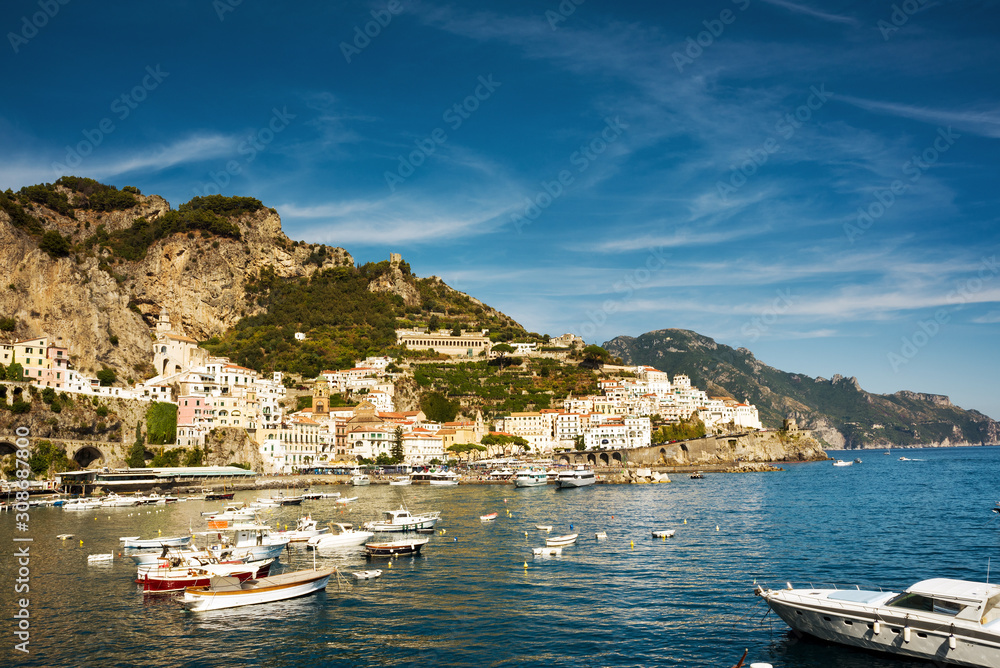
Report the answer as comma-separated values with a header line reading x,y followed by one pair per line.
x,y
841,462
135,543
367,575
219,496
664,533
401,481
305,528
547,551
109,556
697,475
343,535
360,480
402,520
544,527
601,535
227,592
488,518
163,578
561,541
393,548
347,500
64,536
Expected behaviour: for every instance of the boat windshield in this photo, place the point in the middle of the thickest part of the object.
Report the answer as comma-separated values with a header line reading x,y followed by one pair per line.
x,y
924,603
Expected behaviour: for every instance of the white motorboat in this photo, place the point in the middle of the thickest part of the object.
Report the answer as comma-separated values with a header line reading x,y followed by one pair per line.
x,y
544,527
360,480
664,533
81,504
403,520
343,535
107,556
114,501
530,478
316,496
253,542
546,551
841,462
955,622
436,477
227,592
347,500
305,528
134,542
400,481
601,535
578,477
233,513
561,541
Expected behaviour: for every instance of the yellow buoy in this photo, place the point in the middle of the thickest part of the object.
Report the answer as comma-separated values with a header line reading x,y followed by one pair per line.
x,y
716,527
631,544
526,565
685,521
81,543
390,563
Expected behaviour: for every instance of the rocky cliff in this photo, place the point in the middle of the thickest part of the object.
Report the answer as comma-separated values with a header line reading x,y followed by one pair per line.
x,y
101,306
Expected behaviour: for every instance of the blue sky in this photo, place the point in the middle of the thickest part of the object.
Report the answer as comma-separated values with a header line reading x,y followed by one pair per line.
x,y
814,180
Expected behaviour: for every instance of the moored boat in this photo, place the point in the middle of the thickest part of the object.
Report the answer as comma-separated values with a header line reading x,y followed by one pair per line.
x,y
393,548
360,480
578,477
226,592
841,462
664,533
305,528
134,542
530,478
403,520
561,541
489,517
401,481
546,551
344,535
943,620
161,580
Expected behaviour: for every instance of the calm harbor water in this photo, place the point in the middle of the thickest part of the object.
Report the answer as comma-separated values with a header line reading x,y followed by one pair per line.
x,y
630,600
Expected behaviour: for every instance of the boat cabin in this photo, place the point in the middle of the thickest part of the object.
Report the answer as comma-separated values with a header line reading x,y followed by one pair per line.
x,y
973,601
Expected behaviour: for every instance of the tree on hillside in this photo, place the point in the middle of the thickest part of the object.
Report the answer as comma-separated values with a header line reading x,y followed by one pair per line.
x,y
136,458
15,372
107,376
502,350
437,408
500,441
595,356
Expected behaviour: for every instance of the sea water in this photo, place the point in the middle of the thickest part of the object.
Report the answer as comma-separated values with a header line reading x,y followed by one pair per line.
x,y
477,596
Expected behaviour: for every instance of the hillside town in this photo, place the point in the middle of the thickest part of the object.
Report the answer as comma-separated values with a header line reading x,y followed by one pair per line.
x,y
213,393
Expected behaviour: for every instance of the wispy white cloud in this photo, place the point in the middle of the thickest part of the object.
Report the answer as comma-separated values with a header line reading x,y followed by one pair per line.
x,y
797,8
983,121
990,318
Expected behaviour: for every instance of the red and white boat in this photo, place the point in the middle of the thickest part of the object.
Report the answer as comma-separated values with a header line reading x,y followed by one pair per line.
x,y
488,518
166,577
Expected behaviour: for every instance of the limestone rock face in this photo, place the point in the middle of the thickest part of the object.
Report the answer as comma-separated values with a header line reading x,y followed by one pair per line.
x,y
200,282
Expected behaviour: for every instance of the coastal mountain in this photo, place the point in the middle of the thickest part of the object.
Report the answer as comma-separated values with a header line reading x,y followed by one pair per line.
x,y
838,410
93,267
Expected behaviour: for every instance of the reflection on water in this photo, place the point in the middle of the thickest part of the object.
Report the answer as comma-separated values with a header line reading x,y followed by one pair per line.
x,y
469,600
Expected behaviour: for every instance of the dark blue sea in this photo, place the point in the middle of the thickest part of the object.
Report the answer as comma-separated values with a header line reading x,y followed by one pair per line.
x,y
630,600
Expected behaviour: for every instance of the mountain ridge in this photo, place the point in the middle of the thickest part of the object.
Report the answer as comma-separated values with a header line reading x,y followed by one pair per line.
x,y
838,410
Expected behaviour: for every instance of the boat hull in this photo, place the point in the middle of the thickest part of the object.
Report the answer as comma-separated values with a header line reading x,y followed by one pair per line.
x,y
182,578
569,483
531,482
392,549
278,588
855,626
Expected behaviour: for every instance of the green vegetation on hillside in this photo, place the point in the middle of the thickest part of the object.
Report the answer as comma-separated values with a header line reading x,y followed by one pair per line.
x,y
478,385
201,214
161,423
